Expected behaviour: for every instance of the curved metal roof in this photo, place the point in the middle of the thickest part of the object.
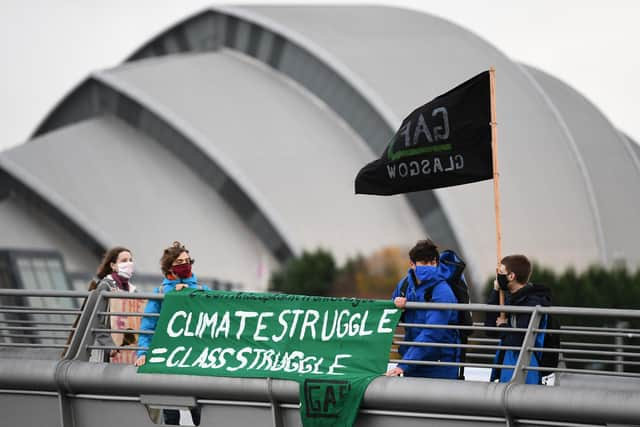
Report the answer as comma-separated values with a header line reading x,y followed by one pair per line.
x,y
136,192
304,167
371,66
291,150
297,58
104,94
604,155
547,211
24,187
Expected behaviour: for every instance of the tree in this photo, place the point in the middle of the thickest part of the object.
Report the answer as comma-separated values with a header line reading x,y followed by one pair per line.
x,y
380,272
310,274
596,286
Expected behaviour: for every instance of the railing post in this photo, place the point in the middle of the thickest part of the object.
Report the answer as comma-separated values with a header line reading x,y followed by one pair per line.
x,y
101,304
64,403
519,373
276,417
81,325
619,341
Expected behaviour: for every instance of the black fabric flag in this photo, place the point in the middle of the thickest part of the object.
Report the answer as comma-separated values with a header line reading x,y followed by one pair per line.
x,y
442,143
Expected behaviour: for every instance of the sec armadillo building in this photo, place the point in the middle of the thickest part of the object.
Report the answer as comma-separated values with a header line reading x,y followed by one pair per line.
x,y
240,130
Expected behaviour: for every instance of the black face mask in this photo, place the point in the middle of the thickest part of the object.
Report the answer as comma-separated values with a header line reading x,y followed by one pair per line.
x,y
503,282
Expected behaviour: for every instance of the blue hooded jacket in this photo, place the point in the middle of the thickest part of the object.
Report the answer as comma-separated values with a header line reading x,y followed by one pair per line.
x,y
434,279
154,306
530,295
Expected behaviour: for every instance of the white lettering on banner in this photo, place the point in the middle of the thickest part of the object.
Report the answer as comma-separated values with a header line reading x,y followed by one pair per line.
x,y
421,129
336,365
293,365
309,324
437,166
202,359
414,168
439,132
297,314
342,332
258,352
212,358
187,332
155,352
225,324
425,167
263,360
261,326
325,336
363,323
384,320
170,331
353,326
208,322
222,360
243,360
295,324
170,362
284,324
183,362
243,315
403,169
406,131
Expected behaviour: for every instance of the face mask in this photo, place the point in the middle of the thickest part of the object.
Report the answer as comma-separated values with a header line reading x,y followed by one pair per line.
x,y
422,269
503,282
424,272
183,271
125,269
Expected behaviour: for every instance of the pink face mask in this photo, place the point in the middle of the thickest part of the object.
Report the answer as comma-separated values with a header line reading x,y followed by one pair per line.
x,y
125,269
183,271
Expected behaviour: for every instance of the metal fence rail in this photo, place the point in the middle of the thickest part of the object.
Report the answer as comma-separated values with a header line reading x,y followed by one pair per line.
x,y
24,325
592,356
603,352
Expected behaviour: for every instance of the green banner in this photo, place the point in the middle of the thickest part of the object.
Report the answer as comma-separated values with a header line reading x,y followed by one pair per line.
x,y
333,347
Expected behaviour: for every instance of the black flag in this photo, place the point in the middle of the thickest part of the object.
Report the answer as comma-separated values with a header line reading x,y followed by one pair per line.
x,y
442,143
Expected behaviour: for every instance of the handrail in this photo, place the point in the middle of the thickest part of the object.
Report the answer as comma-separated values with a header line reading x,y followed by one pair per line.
x,y
607,354
598,357
557,310
42,293
450,345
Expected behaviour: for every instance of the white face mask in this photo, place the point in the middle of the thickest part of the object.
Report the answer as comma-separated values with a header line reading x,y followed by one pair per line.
x,y
125,269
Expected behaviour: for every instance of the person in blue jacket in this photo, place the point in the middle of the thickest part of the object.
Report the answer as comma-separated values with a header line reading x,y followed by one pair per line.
x,y
513,276
427,277
176,266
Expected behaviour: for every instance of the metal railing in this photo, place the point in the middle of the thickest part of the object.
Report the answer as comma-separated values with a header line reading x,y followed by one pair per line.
x,y
600,354
601,351
48,326
585,348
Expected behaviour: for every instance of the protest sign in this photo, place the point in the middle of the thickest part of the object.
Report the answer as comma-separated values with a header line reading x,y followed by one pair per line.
x,y
333,347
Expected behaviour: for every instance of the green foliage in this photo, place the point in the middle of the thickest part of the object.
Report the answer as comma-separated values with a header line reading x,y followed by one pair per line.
x,y
616,287
310,274
316,273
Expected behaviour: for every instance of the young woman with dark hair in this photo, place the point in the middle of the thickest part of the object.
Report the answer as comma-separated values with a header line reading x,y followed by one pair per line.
x,y
113,274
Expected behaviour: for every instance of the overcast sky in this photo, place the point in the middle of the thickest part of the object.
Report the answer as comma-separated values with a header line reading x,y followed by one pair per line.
x,y
49,46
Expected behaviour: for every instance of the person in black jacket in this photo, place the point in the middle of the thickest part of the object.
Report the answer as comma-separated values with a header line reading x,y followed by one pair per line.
x,y
513,277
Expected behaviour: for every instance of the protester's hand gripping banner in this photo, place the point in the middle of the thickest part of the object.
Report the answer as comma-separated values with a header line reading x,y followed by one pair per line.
x,y
333,347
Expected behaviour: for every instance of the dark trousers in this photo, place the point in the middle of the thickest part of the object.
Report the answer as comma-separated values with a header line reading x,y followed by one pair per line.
x,y
172,416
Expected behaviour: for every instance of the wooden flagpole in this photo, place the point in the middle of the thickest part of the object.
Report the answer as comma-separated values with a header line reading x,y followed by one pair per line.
x,y
496,174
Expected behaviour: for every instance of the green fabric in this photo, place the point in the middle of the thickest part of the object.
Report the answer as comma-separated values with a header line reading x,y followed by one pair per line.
x,y
333,347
